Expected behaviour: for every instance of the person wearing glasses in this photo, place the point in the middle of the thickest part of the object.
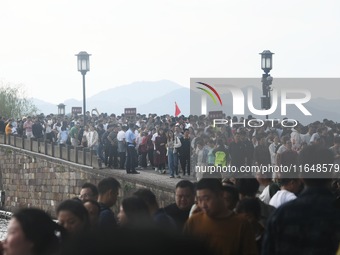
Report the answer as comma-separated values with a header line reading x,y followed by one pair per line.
x,y
88,191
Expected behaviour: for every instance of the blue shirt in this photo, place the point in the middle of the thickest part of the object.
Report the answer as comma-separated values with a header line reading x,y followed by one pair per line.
x,y
107,220
130,137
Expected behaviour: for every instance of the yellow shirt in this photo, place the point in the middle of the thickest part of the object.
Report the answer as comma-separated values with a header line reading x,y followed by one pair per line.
x,y
8,129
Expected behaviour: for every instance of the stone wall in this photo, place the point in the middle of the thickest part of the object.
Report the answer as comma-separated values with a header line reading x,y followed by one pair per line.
x,y
32,179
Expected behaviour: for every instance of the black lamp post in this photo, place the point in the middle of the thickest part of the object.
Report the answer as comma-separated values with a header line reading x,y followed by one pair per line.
x,y
83,59
266,65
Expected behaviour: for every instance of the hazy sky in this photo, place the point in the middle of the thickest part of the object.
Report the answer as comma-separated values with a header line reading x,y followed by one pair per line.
x,y
134,40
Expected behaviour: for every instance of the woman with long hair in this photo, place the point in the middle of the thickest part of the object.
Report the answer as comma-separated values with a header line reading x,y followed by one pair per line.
x,y
173,143
32,231
73,216
160,155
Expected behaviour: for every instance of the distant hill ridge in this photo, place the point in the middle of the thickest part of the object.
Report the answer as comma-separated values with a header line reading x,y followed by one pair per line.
x,y
159,97
148,97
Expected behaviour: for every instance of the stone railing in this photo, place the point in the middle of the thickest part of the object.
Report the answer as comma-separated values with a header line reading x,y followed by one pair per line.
x,y
34,173
79,155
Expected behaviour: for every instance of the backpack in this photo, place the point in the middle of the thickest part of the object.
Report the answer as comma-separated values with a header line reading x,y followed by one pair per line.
x,y
220,158
68,140
149,143
142,148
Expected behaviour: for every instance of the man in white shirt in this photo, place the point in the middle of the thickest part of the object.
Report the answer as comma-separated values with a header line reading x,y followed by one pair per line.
x,y
178,132
48,129
270,188
295,138
281,149
288,188
306,137
316,136
273,147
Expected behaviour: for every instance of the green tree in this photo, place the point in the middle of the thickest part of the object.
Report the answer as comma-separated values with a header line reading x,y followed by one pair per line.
x,y
13,102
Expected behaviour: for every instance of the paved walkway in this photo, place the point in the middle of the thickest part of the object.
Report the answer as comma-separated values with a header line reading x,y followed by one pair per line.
x,y
150,176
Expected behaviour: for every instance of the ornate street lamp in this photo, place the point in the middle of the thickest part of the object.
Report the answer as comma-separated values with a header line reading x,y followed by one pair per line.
x,y
61,109
266,66
266,61
83,60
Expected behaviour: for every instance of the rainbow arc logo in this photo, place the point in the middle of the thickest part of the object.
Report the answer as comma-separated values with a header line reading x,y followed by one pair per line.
x,y
210,90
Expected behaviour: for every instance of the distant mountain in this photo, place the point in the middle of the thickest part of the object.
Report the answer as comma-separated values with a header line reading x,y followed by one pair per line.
x,y
135,95
73,102
138,92
159,97
44,107
166,104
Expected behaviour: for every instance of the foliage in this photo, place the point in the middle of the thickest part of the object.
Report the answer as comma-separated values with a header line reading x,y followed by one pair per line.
x,y
13,103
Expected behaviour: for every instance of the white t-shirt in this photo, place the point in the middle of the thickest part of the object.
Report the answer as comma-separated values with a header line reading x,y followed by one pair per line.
x,y
48,128
265,196
281,149
296,140
153,139
281,197
306,138
314,137
272,151
121,135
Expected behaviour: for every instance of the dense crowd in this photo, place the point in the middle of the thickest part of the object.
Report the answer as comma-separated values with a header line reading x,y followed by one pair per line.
x,y
179,143
262,213
212,216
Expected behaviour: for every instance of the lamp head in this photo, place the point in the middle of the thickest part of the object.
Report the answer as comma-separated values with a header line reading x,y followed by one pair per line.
x,y
266,61
83,60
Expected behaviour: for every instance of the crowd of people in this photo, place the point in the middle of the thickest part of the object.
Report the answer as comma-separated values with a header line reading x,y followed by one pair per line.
x,y
211,216
175,145
262,214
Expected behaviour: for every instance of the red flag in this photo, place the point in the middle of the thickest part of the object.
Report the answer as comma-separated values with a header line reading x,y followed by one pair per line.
x,y
177,110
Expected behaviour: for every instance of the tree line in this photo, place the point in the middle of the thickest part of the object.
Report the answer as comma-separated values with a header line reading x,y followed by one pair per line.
x,y
13,102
